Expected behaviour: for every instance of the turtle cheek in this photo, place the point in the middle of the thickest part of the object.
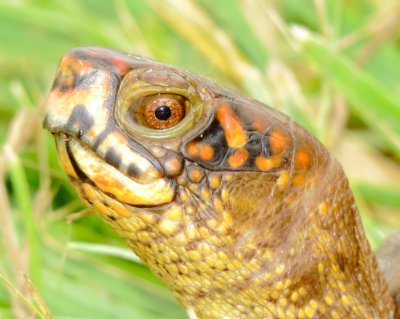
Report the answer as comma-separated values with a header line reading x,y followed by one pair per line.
x,y
236,137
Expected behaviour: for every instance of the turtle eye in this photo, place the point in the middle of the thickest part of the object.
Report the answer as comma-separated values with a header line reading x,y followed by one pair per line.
x,y
159,111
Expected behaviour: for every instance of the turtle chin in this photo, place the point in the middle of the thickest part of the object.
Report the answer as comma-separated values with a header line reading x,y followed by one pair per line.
x,y
84,166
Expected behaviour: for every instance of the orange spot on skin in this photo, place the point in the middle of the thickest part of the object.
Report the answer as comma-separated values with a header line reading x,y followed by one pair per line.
x,y
267,163
206,152
238,158
68,77
195,175
104,181
303,159
122,66
233,129
193,149
278,141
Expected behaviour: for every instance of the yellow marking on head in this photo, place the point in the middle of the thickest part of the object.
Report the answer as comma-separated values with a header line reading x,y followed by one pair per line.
x,y
283,179
67,74
278,141
266,163
238,158
234,133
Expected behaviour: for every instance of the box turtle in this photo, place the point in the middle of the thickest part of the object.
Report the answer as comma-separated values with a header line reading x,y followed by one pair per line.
x,y
238,209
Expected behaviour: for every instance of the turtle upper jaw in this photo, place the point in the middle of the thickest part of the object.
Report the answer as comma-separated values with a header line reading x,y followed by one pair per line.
x,y
84,166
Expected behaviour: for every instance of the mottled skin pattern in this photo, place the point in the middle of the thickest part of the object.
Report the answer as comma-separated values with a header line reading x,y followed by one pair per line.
x,y
240,211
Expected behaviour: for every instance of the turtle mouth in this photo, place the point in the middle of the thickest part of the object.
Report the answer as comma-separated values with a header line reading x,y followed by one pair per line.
x,y
83,165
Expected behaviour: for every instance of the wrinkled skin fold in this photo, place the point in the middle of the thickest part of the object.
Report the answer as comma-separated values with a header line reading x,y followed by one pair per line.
x,y
239,210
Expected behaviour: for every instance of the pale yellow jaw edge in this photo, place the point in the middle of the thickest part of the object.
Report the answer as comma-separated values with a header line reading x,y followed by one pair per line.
x,y
111,181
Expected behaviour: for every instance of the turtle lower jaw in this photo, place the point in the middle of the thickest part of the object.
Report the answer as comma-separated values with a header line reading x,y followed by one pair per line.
x,y
84,166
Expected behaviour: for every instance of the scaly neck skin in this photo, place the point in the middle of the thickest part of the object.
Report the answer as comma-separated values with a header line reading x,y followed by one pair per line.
x,y
245,253
312,261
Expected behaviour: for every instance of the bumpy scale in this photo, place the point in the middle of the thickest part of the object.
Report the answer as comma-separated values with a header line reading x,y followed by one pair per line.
x,y
239,210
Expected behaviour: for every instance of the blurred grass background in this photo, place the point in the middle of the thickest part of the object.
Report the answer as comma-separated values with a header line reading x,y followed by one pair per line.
x,y
333,66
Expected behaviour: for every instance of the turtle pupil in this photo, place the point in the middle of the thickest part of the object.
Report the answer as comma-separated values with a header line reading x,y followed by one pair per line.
x,y
163,112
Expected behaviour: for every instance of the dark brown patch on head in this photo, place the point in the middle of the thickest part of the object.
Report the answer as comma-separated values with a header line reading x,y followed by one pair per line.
x,y
133,170
80,121
112,158
103,135
210,148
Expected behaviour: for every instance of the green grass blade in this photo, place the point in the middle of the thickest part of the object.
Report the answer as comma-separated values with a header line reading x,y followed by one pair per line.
x,y
377,106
